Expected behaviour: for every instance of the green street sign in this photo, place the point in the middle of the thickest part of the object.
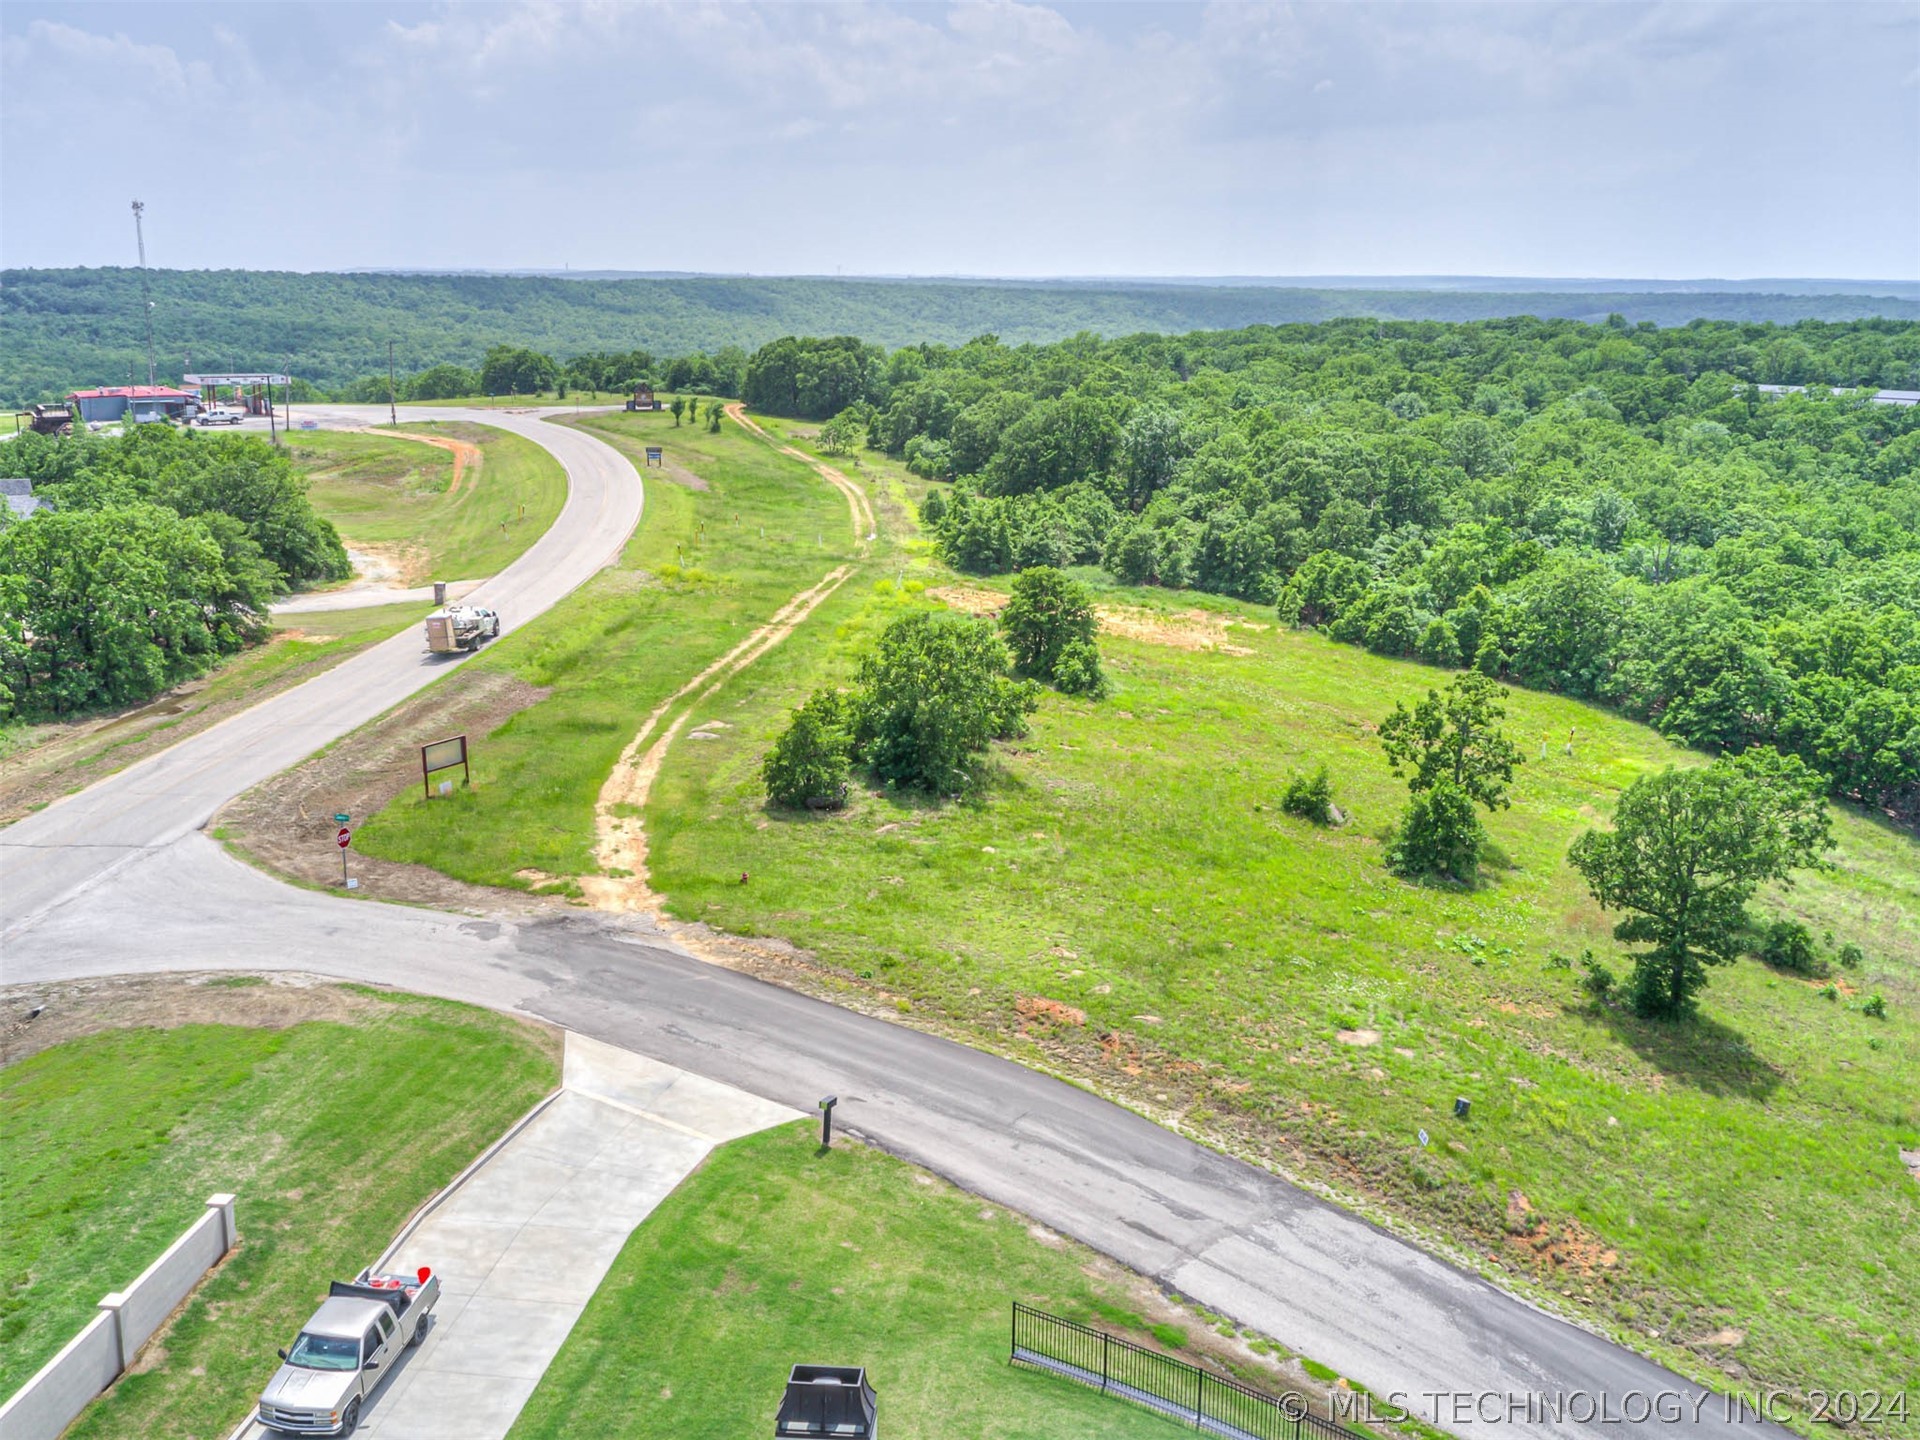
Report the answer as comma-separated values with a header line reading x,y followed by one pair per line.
x,y
341,819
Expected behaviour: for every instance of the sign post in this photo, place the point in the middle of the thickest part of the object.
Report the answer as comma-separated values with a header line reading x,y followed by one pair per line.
x,y
343,838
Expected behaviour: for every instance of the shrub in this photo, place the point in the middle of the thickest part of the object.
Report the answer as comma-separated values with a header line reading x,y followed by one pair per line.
x,y
1851,956
1788,945
1078,672
1439,835
1309,796
933,509
934,692
1598,981
809,764
1875,1005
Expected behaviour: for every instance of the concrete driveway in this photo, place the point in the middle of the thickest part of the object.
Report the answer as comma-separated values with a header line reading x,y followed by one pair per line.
x,y
523,1243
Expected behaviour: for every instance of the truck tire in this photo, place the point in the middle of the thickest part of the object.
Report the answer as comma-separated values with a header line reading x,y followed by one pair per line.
x,y
350,1421
420,1331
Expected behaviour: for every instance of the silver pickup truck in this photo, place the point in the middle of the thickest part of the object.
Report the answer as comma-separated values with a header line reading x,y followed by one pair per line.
x,y
346,1350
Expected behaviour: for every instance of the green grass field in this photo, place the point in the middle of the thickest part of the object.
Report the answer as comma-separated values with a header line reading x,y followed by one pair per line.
x,y
380,491
1125,902
1271,986
773,1254
702,572
110,1144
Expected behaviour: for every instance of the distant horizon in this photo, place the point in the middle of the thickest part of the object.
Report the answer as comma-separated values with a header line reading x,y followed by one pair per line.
x,y
1466,281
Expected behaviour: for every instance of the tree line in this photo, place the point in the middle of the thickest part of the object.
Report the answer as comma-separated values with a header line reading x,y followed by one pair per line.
x,y
1609,511
162,553
61,328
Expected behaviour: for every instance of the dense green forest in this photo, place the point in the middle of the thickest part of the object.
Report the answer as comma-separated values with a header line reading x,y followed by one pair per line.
x,y
1612,511
62,328
161,555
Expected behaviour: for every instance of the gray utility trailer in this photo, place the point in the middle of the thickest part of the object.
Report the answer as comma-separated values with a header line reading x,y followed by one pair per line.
x,y
346,1350
461,627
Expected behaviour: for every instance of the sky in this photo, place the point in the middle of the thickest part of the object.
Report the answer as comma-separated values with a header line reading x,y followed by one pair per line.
x,y
1764,138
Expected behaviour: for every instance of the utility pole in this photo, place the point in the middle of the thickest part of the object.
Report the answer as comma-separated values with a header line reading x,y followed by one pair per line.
x,y
393,415
273,435
290,395
146,285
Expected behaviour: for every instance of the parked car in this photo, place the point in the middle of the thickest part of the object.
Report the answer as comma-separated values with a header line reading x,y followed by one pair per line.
x,y
346,1350
220,417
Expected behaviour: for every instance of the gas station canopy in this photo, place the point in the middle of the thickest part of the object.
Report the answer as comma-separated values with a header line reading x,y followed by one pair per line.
x,y
259,378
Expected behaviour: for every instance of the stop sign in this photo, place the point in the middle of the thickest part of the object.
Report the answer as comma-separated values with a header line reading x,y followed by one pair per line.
x,y
344,838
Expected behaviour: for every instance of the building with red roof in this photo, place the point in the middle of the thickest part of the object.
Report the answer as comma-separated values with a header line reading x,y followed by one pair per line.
x,y
137,403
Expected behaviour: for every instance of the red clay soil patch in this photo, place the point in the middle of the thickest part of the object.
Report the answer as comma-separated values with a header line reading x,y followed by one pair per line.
x,y
1038,1009
1567,1249
287,823
466,455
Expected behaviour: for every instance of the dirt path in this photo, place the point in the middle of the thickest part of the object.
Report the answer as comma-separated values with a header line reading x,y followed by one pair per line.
x,y
864,530
621,838
621,846
466,455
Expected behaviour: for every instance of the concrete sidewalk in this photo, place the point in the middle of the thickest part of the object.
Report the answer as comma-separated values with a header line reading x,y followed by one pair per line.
x,y
523,1244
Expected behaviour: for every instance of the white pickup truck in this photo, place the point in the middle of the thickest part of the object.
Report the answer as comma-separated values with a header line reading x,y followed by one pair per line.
x,y
346,1350
461,627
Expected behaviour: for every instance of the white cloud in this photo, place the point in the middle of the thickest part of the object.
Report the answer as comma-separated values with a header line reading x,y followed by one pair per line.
x,y
969,136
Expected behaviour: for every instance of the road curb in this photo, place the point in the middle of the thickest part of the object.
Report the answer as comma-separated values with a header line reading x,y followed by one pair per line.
x,y
452,1186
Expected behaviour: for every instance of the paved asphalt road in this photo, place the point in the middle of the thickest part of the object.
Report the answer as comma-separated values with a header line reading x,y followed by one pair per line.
x,y
73,843
1466,1356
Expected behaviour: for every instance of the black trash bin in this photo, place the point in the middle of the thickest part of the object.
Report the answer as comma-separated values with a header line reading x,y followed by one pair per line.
x,y
827,1401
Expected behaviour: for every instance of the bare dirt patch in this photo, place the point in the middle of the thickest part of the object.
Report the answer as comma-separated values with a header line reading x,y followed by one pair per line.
x,y
1361,1038
1566,1250
70,1009
467,454
287,824
1181,630
968,600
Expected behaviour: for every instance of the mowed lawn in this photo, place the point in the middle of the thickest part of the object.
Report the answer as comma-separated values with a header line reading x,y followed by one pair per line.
x,y
330,1133
773,1254
399,495
705,569
1126,901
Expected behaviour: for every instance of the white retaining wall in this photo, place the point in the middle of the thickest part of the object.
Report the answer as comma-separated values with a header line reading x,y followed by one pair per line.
x,y
94,1359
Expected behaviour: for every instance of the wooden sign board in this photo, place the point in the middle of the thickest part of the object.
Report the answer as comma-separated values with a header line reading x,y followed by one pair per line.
x,y
444,755
654,456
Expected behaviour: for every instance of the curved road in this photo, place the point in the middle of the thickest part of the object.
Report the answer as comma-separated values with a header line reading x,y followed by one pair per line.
x,y
119,880
75,842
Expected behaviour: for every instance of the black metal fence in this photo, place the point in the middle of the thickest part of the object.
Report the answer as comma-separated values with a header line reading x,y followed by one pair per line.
x,y
1184,1392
